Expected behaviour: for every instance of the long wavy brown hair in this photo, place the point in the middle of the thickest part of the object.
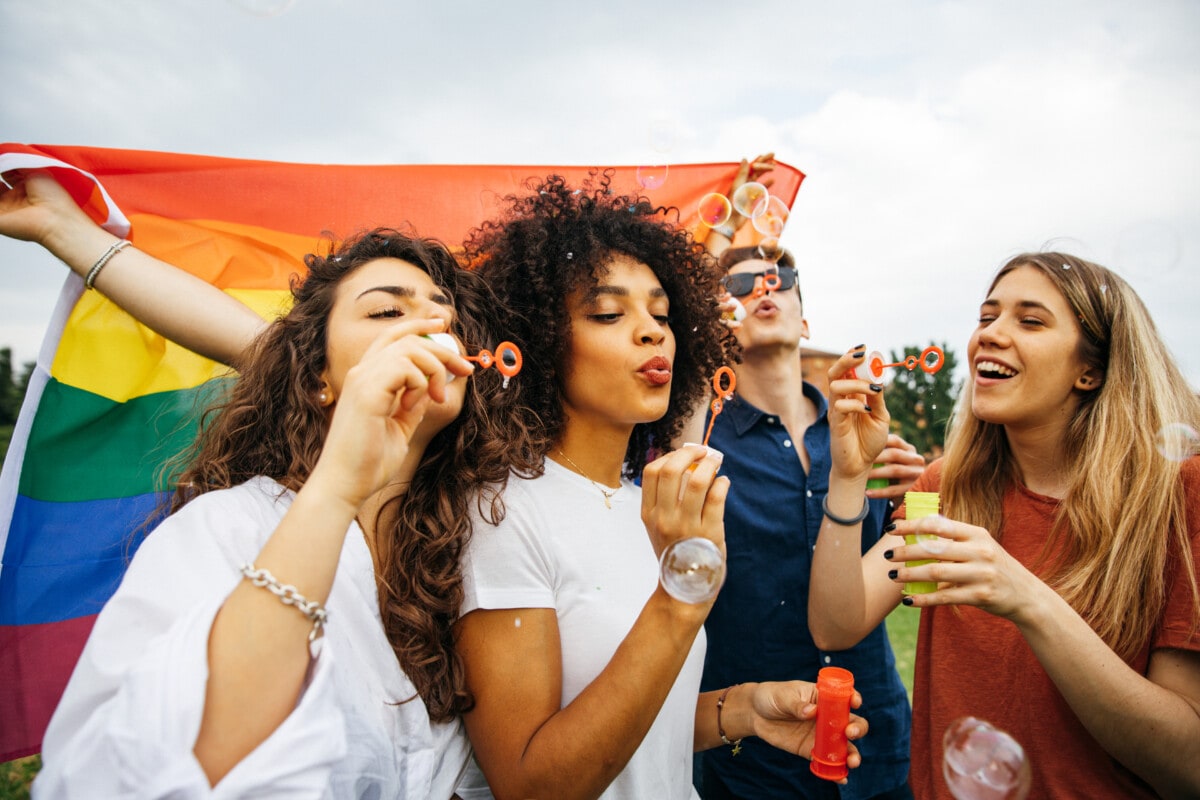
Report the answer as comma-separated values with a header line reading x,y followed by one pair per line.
x,y
558,239
1122,520
272,425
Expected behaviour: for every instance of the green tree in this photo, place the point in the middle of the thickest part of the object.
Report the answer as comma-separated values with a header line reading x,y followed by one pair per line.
x,y
920,403
12,392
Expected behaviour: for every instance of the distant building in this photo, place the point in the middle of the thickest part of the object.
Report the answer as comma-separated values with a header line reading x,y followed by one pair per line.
x,y
814,367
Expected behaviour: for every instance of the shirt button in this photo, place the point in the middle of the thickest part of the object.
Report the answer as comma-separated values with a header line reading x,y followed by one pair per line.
x,y
808,493
827,659
771,420
787,442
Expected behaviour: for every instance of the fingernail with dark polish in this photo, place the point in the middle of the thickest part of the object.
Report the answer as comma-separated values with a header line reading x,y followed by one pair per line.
x,y
891,526
859,347
908,601
875,387
887,555
866,407
892,573
858,354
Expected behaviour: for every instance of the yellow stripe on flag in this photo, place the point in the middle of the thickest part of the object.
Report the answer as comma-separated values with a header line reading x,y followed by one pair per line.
x,y
105,351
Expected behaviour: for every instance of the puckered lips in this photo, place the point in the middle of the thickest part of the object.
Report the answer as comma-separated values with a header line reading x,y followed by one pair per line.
x,y
991,370
765,307
656,371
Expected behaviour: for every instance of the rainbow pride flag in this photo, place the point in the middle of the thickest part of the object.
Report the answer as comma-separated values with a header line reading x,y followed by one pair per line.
x,y
110,400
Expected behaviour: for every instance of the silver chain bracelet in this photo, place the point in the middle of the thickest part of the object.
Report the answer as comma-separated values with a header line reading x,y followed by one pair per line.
x,y
287,593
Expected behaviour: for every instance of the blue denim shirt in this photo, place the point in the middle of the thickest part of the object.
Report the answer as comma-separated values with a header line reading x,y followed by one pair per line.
x,y
758,628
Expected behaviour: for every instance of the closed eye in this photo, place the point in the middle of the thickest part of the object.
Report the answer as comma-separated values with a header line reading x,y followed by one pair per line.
x,y
604,318
388,312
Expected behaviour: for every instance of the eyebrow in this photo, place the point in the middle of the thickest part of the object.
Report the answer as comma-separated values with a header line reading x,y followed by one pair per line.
x,y
618,291
439,295
1023,304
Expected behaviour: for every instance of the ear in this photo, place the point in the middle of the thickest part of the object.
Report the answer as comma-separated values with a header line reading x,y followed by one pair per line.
x,y
804,328
1091,380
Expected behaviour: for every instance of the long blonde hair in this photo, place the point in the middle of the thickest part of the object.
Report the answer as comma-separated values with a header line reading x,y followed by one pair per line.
x,y
1125,496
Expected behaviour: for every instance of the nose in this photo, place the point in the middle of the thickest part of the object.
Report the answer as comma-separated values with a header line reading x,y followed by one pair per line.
x,y
995,333
431,309
650,330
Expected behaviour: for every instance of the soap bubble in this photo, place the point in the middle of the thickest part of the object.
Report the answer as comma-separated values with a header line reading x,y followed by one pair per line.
x,y
750,199
714,209
982,763
692,570
652,176
773,218
769,249
1177,442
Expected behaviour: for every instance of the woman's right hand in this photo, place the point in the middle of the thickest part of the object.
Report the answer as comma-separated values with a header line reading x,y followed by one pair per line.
x,y
34,207
682,497
858,418
380,407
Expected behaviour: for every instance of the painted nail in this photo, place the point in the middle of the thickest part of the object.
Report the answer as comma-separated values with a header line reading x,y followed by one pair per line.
x,y
887,555
908,601
893,573
858,354
866,408
859,347
875,387
891,526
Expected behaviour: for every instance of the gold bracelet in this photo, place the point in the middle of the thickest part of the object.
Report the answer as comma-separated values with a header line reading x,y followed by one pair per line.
x,y
737,744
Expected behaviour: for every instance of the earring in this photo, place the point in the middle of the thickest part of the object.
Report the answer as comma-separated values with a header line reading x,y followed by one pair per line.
x,y
325,398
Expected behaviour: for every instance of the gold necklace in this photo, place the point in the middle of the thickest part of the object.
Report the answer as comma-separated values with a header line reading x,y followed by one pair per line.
x,y
608,493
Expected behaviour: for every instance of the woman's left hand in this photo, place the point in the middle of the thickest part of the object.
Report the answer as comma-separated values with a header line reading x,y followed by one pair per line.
x,y
970,568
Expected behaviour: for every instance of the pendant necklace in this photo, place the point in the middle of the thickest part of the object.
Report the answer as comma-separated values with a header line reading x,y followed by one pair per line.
x,y
608,493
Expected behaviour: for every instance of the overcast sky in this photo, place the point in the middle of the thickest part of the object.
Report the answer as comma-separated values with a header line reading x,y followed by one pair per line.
x,y
939,138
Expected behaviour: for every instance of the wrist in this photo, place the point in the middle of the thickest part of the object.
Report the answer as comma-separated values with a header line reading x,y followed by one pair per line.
x,y
726,230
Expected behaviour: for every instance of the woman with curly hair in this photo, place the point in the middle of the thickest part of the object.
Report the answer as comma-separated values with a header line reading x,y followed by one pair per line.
x,y
1066,609
585,671
338,475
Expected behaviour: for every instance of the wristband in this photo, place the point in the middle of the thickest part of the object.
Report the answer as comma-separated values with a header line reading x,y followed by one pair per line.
x,y
866,509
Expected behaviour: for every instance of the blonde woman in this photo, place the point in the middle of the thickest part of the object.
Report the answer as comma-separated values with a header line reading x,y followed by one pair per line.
x,y
1066,611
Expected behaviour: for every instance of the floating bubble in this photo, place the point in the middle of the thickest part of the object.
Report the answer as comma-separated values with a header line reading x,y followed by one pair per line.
x,y
1150,247
773,218
750,199
692,570
652,176
264,8
663,133
981,762
769,249
1177,442
714,209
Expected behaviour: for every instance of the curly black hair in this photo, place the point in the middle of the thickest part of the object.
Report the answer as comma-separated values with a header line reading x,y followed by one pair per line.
x,y
559,239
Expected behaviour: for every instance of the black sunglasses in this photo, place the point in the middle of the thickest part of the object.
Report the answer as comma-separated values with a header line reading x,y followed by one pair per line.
x,y
740,284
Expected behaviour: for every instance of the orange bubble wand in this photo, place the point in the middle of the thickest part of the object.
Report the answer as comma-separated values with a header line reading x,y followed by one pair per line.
x,y
724,392
507,360
873,365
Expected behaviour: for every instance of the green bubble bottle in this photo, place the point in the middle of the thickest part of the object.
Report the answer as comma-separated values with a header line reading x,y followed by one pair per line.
x,y
916,506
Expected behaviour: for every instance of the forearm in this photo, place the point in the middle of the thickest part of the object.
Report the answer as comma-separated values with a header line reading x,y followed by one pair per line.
x,y
579,749
169,301
258,650
848,592
1152,730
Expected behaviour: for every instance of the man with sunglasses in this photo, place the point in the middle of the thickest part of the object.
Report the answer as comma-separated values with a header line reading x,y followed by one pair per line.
x,y
774,435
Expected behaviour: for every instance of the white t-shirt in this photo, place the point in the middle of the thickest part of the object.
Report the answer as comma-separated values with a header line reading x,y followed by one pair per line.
x,y
129,717
559,547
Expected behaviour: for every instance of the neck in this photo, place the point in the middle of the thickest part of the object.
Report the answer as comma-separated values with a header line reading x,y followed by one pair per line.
x,y
772,380
598,454
1040,455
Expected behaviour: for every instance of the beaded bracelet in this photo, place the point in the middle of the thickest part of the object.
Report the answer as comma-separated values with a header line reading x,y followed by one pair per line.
x,y
290,597
737,743
116,247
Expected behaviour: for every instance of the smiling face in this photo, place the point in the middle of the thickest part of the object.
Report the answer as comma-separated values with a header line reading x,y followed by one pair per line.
x,y
368,300
775,319
618,367
1026,366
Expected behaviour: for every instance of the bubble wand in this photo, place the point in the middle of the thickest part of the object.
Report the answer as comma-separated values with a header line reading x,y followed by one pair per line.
x,y
724,392
873,365
507,359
